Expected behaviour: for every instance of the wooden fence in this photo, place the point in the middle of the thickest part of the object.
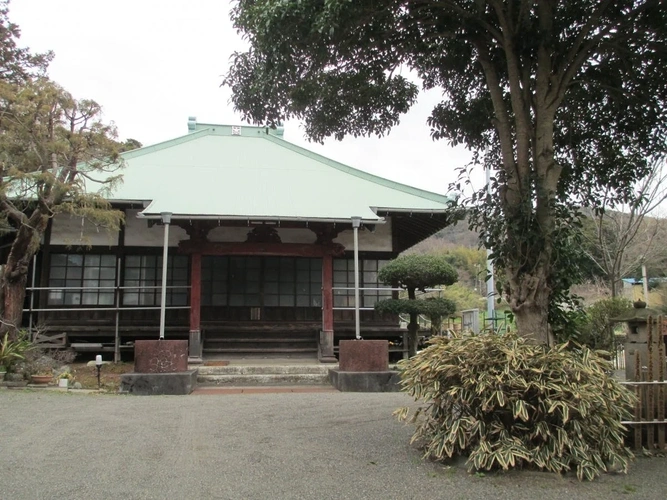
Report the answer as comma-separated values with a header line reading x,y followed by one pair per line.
x,y
649,424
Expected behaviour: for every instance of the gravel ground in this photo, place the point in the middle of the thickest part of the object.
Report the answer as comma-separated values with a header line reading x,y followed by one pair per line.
x,y
259,446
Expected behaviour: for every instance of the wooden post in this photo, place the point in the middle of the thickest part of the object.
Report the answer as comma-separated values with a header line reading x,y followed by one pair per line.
x,y
195,350
326,350
661,394
648,402
638,404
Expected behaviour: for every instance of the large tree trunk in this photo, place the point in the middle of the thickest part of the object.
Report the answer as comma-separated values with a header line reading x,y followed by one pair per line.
x,y
14,294
531,315
527,188
15,276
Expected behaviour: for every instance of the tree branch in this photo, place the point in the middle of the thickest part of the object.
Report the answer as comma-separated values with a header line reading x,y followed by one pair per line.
x,y
13,212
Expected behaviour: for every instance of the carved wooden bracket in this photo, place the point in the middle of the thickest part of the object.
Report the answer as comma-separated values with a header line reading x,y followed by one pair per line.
x,y
263,234
326,233
196,229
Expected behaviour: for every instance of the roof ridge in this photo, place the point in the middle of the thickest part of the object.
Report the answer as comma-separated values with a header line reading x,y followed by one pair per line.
x,y
382,181
165,144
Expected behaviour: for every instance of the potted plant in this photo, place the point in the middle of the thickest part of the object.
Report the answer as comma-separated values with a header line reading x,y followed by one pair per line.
x,y
40,368
41,378
65,379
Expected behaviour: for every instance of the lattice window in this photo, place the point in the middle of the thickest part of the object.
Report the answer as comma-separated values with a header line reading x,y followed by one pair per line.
x,y
78,274
146,271
256,281
343,277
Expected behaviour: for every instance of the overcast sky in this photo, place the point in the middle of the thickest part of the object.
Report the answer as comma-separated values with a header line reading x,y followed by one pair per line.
x,y
153,63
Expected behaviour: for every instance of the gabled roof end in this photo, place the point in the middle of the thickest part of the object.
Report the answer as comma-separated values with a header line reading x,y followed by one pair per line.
x,y
221,129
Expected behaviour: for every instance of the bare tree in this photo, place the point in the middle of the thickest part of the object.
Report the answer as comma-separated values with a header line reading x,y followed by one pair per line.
x,y
624,238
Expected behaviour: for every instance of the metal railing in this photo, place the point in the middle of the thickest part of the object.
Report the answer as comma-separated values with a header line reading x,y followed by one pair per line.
x,y
117,306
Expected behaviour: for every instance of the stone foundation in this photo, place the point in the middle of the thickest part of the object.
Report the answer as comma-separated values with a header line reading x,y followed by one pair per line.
x,y
157,384
160,368
386,381
364,367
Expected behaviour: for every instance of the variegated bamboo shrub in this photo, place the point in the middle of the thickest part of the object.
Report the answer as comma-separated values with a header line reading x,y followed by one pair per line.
x,y
505,403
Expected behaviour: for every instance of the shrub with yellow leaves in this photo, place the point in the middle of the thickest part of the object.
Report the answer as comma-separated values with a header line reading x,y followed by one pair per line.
x,y
505,403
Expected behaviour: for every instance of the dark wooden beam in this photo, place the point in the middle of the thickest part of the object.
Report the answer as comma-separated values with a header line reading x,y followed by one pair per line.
x,y
281,249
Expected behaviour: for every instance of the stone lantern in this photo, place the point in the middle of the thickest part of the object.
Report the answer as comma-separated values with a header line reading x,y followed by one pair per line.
x,y
638,337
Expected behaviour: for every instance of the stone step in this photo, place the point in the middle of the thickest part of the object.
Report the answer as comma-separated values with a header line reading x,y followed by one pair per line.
x,y
263,340
261,389
266,379
317,369
261,335
258,350
259,346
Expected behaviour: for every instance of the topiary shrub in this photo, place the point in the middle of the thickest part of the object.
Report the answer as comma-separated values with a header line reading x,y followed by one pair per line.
x,y
504,403
435,308
416,272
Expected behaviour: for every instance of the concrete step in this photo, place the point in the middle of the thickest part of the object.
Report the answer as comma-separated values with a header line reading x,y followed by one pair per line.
x,y
264,375
263,346
262,389
313,369
263,340
263,379
258,350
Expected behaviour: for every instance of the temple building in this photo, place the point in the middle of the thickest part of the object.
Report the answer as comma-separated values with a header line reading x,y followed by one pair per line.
x,y
260,244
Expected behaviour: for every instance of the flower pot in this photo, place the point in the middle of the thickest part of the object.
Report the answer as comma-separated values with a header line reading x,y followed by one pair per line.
x,y
41,379
63,382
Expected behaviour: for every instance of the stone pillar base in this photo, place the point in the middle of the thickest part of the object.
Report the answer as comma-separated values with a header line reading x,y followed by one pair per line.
x,y
160,356
325,351
364,355
195,348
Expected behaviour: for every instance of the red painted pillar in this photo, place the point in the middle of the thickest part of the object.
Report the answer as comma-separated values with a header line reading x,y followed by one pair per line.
x,y
195,309
327,333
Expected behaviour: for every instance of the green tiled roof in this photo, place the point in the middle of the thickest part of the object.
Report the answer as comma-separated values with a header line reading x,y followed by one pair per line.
x,y
226,172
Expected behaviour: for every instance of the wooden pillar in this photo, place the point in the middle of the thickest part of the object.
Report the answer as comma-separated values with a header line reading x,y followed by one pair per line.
x,y
195,351
326,351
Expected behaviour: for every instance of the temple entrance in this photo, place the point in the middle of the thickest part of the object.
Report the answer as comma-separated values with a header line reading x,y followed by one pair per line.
x,y
257,288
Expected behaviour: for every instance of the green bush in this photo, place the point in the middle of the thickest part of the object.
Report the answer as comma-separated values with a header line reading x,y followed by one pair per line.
x,y
13,350
465,297
593,328
504,403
